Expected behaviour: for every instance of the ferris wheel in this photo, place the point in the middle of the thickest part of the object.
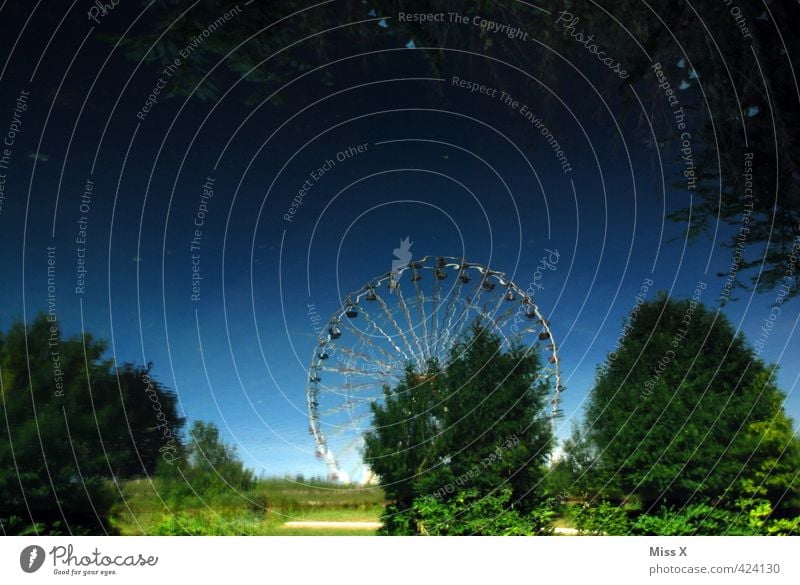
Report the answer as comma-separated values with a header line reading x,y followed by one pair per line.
x,y
410,315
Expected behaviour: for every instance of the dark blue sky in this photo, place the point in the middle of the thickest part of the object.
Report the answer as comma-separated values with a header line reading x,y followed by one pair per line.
x,y
459,173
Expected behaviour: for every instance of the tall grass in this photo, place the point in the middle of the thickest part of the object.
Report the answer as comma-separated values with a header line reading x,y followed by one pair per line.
x,y
171,505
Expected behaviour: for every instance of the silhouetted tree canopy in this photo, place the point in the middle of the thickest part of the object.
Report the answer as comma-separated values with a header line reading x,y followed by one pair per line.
x,y
734,63
72,426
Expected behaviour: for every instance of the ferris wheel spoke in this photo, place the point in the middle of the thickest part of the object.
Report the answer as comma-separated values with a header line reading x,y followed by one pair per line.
x,y
447,318
360,390
419,355
503,319
349,404
499,322
373,324
372,354
503,300
365,385
434,321
338,430
470,304
423,319
390,317
370,348
345,370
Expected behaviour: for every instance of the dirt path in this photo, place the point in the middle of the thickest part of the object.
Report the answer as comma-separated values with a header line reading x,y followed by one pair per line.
x,y
322,524
375,525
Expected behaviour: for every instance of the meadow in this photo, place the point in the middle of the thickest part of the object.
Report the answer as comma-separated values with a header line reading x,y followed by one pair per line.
x,y
162,507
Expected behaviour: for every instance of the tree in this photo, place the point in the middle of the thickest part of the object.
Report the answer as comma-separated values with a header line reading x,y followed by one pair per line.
x,y
472,436
495,408
574,470
212,463
733,70
736,156
71,425
141,427
402,447
280,47
686,413
741,109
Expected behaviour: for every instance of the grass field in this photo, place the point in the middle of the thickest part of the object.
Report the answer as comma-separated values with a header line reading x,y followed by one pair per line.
x,y
166,508
153,508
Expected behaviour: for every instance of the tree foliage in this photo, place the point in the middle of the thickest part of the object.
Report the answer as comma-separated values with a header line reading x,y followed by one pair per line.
x,y
739,96
269,44
686,414
470,512
71,426
472,433
211,464
741,110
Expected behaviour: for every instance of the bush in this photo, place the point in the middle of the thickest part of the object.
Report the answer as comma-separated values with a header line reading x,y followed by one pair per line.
x,y
469,513
604,518
753,517
697,519
784,527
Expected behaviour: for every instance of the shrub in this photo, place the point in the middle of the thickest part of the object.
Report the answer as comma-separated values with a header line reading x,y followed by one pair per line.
x,y
604,518
697,519
470,513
